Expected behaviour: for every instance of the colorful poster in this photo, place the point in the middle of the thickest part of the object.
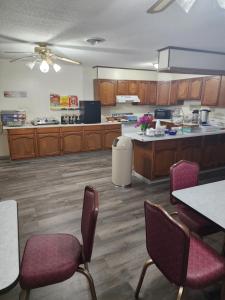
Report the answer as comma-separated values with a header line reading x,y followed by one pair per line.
x,y
58,102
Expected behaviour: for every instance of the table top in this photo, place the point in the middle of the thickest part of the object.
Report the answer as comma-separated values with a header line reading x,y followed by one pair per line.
x,y
207,199
9,247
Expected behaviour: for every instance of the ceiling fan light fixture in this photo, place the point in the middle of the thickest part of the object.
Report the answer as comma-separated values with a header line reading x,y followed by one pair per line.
x,y
221,3
31,64
156,65
95,40
186,5
159,6
56,67
44,66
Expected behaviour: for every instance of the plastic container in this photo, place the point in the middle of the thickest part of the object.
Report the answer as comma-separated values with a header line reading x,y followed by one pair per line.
x,y
122,154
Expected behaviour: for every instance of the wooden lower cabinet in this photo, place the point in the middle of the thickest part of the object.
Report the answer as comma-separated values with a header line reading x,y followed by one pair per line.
x,y
164,156
154,159
189,149
22,146
72,142
92,140
30,143
109,137
48,144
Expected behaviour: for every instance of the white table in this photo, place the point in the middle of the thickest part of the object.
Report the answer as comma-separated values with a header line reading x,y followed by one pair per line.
x,y
9,248
207,199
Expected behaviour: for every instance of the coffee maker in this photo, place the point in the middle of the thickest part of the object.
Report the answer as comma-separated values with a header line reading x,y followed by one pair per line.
x,y
204,116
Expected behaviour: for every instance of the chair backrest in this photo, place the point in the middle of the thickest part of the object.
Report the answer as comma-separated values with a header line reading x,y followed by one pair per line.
x,y
88,221
183,174
167,243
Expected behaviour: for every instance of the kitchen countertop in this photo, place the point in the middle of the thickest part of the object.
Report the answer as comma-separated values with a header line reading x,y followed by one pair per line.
x,y
26,126
144,138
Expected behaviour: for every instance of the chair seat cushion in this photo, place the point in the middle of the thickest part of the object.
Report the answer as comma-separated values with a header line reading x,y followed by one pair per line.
x,y
205,266
49,259
196,222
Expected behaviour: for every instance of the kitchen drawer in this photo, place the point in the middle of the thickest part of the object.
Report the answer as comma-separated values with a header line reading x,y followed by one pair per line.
x,y
112,127
23,131
72,128
93,127
48,130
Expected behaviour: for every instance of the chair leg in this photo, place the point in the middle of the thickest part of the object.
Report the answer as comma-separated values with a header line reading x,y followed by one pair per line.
x,y
144,269
24,295
87,274
180,293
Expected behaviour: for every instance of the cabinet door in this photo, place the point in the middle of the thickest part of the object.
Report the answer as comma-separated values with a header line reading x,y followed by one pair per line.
x,y
133,86
210,93
48,144
195,89
210,151
173,92
142,92
92,140
163,92
109,137
105,91
182,92
221,101
189,149
165,157
122,87
72,142
151,93
221,149
22,146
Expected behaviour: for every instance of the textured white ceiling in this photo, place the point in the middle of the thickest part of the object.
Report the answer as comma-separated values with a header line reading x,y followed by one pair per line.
x,y
132,36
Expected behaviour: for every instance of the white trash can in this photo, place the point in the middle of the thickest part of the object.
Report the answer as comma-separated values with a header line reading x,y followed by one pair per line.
x,y
122,154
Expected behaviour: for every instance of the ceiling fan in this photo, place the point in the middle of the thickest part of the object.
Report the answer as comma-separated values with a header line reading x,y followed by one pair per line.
x,y
43,56
160,5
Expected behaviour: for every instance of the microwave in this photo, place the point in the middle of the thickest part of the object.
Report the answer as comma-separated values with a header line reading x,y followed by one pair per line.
x,y
161,113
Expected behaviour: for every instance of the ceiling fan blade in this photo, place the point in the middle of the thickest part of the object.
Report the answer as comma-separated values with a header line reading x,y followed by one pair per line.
x,y
66,59
186,4
13,39
21,58
159,6
221,3
16,52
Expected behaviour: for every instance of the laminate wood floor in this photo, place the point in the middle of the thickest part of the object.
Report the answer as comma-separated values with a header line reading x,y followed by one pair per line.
x,y
49,193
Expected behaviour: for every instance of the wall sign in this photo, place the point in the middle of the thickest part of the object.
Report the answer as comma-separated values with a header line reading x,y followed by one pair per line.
x,y
15,94
58,102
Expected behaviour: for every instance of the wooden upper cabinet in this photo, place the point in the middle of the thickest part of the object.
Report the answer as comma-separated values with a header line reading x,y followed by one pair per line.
x,y
142,92
210,92
133,87
122,87
105,90
163,92
195,88
173,92
151,93
182,90
221,101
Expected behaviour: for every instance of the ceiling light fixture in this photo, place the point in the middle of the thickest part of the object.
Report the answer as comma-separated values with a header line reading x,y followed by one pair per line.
x,y
156,65
44,66
31,64
56,67
95,41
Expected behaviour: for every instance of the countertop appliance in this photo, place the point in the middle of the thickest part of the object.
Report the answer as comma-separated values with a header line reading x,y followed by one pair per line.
x,y
90,111
44,121
13,118
204,116
195,116
161,113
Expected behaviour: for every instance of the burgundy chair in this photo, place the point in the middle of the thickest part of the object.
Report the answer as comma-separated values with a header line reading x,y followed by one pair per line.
x,y
184,174
184,259
52,258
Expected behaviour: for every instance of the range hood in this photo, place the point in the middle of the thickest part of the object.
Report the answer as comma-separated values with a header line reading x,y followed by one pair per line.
x,y
191,61
127,98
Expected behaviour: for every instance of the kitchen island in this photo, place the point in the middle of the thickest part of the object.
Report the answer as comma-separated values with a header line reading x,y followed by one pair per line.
x,y
153,156
47,140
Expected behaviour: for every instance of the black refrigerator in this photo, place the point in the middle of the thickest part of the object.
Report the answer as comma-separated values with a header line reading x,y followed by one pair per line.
x,y
90,111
